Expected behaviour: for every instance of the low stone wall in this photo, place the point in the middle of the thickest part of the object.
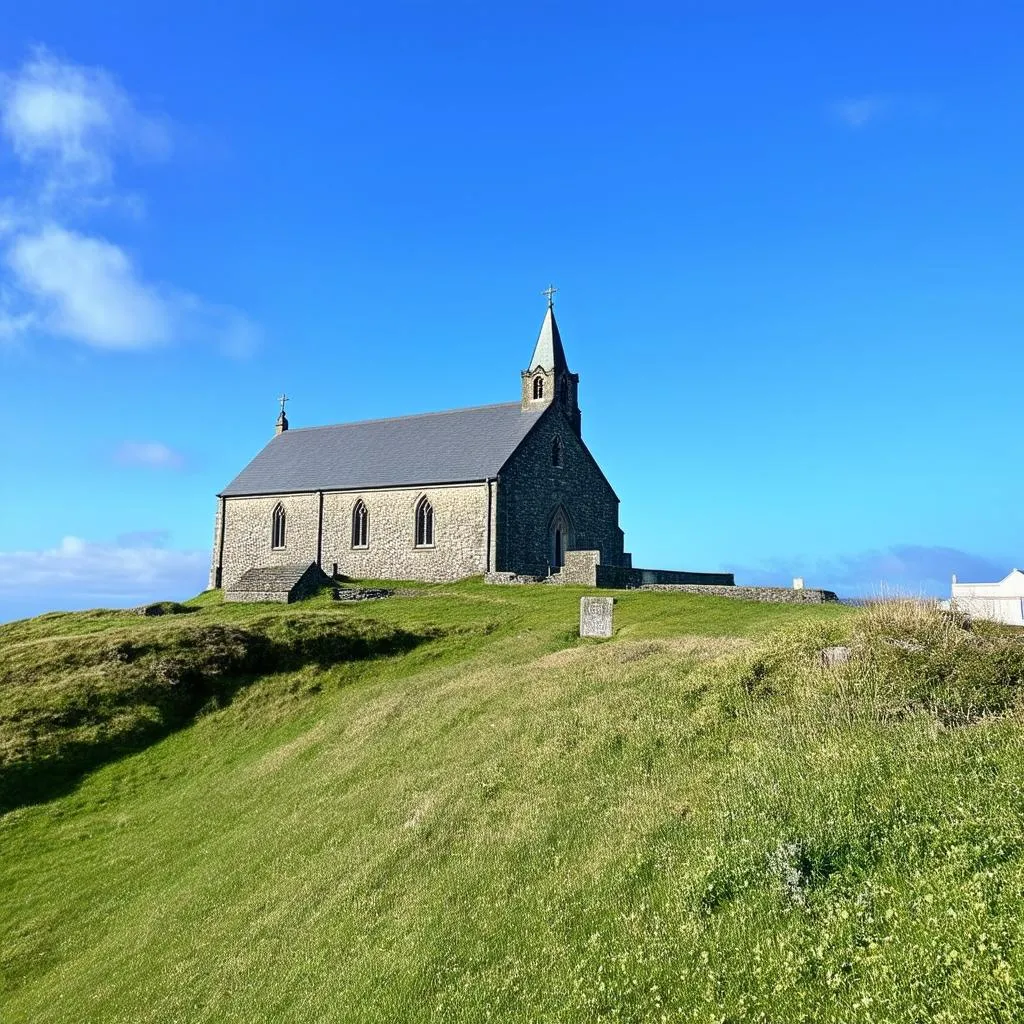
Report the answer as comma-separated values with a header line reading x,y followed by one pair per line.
x,y
628,579
510,578
777,595
361,593
584,569
258,596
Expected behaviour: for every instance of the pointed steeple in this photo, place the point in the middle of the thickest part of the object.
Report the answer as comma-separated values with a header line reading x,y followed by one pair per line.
x,y
548,353
548,379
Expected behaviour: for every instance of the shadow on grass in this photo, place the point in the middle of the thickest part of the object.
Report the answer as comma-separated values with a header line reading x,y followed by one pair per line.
x,y
103,697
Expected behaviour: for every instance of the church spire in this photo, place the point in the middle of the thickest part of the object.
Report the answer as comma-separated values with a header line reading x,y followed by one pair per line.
x,y
548,379
548,353
282,419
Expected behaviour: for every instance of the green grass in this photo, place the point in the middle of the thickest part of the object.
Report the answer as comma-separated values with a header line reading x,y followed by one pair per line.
x,y
449,808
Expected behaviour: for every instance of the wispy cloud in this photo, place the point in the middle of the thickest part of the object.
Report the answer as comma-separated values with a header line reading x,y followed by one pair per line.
x,y
909,568
81,574
68,122
151,454
66,126
87,289
860,111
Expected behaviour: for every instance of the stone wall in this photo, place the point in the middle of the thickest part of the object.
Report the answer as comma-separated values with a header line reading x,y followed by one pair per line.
x,y
777,595
460,533
531,489
510,579
281,583
580,568
584,568
215,556
246,526
622,578
553,394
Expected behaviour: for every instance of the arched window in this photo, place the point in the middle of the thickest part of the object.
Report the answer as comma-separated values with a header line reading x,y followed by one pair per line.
x,y
277,527
556,451
424,524
538,387
563,390
360,525
560,537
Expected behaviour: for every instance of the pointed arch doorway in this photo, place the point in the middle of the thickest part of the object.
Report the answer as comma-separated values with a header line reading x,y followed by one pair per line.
x,y
559,538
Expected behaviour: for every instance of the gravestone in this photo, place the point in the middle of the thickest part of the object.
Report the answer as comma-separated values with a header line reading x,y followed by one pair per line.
x,y
596,616
834,656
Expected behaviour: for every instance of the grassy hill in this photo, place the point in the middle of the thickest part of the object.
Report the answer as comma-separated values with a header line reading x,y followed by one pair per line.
x,y
447,807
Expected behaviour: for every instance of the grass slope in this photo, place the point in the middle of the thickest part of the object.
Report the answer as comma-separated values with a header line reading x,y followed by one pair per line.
x,y
474,815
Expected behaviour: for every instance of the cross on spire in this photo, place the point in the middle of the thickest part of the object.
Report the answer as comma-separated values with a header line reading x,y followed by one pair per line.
x,y
284,398
550,293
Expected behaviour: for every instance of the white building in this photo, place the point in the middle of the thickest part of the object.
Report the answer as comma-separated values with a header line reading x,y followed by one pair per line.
x,y
1000,602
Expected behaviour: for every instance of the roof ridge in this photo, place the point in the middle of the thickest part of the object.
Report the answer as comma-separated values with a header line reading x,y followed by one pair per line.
x,y
410,416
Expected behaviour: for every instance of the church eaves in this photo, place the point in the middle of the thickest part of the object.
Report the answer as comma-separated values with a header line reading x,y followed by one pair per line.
x,y
458,446
548,353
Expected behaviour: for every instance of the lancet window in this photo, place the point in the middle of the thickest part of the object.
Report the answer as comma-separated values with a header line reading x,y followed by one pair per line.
x,y
360,526
424,524
277,526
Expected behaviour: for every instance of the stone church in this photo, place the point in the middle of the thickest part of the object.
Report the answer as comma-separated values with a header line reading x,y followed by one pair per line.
x,y
499,488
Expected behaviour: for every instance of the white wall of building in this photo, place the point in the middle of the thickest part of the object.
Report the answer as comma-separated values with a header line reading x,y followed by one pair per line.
x,y
998,602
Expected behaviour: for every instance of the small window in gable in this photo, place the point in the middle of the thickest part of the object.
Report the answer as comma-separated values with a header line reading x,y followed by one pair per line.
x,y
360,526
538,387
563,389
424,524
277,527
556,451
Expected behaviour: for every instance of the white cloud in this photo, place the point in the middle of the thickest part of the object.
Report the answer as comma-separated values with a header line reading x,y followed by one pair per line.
x,y
152,454
68,121
88,290
901,568
860,111
79,573
66,124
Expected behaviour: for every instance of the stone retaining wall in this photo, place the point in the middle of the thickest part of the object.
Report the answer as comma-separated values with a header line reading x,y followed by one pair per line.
x,y
510,578
584,568
630,579
778,595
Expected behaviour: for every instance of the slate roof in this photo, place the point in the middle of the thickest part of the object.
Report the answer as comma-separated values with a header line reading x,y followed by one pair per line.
x,y
441,447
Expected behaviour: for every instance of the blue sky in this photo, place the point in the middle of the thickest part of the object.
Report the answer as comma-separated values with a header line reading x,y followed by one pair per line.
x,y
786,240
